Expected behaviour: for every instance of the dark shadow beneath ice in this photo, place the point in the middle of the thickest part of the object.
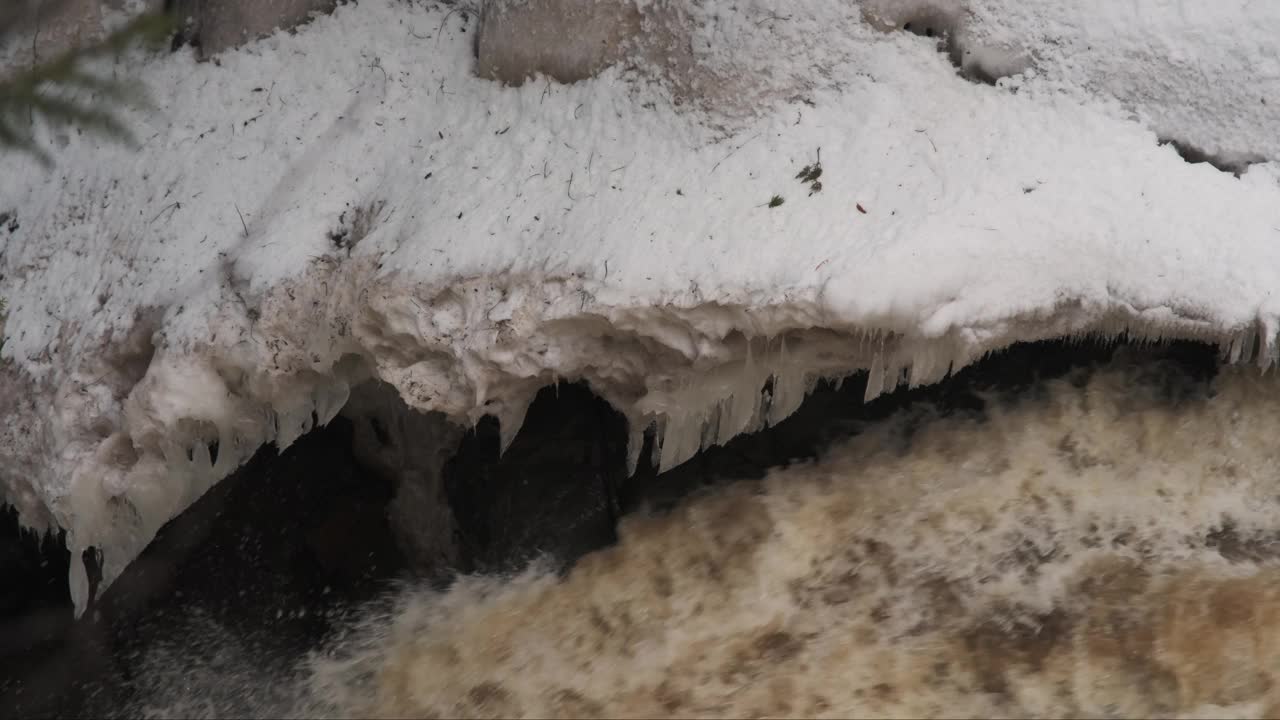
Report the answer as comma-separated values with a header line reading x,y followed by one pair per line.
x,y
552,495
273,552
836,411
279,552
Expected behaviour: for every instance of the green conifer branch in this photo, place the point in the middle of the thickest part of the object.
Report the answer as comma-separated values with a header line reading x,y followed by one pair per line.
x,y
52,91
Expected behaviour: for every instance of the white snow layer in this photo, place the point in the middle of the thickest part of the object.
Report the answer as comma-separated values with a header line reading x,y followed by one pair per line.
x,y
352,202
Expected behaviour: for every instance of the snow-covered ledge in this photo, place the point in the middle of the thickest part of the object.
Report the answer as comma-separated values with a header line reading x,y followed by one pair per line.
x,y
354,202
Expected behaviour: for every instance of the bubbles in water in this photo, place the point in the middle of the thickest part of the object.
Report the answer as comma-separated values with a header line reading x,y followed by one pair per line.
x,y
1106,546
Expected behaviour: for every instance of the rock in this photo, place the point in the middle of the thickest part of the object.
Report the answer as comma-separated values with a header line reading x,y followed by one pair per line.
x,y
41,32
568,40
217,25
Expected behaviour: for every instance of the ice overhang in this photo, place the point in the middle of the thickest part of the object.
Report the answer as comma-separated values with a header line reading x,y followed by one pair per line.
x,y
382,212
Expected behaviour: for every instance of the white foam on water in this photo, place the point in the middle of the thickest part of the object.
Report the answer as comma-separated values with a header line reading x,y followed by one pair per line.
x,y
1103,544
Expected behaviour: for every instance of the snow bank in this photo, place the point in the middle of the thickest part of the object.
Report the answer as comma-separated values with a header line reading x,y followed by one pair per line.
x,y
354,202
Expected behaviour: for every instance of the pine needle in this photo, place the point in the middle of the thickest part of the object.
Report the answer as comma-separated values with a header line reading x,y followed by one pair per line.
x,y
54,92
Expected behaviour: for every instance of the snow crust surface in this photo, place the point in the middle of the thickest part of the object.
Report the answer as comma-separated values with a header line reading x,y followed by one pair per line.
x,y
351,202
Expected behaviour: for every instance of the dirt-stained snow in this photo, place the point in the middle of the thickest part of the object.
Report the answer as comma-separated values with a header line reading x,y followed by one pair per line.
x,y
353,201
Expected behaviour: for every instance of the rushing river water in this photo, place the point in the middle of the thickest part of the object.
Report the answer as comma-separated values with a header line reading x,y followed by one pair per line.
x,y
1103,544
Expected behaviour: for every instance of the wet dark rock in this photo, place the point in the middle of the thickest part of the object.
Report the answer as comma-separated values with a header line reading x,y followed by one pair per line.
x,y
553,494
273,551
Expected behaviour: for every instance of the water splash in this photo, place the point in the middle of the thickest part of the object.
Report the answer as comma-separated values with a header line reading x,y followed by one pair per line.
x,y
1105,545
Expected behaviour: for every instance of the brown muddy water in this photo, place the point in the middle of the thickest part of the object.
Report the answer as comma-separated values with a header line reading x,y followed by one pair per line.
x,y
1059,531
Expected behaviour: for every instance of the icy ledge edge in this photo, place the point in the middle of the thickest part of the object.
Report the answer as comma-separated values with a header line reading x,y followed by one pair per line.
x,y
169,409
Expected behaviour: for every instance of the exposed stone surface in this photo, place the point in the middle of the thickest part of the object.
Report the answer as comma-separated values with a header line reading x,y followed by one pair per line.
x,y
43,30
39,31
408,449
568,40
218,25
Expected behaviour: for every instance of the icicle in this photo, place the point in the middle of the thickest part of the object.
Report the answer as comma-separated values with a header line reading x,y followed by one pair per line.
x,y
875,378
930,366
730,415
681,439
78,579
959,360
711,427
292,424
507,432
1266,345
200,459
918,367
510,419
1231,350
788,394
741,408
635,444
777,398
221,466
759,406
896,376
921,366
659,439
330,398
893,374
